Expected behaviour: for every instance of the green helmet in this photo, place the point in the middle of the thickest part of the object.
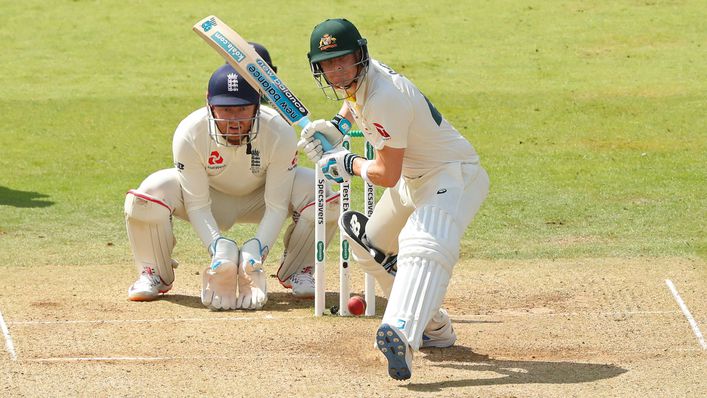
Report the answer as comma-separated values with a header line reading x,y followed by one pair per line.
x,y
331,39
334,38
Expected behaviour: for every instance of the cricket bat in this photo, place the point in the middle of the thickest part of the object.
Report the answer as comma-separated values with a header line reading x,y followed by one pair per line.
x,y
246,61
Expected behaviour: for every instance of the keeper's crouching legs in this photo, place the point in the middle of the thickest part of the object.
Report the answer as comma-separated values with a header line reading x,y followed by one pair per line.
x,y
295,270
148,220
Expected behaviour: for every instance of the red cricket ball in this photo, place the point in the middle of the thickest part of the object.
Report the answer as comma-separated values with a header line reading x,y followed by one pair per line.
x,y
356,305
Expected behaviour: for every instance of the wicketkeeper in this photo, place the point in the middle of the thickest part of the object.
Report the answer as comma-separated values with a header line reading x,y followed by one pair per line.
x,y
435,185
235,161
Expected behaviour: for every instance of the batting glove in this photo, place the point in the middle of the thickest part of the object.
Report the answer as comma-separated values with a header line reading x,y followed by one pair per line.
x,y
312,148
313,133
338,166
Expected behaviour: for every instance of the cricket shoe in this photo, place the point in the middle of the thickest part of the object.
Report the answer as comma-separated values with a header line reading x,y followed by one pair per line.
x,y
302,283
441,338
393,344
147,287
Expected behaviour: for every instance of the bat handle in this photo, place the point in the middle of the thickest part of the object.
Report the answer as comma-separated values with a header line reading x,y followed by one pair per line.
x,y
326,145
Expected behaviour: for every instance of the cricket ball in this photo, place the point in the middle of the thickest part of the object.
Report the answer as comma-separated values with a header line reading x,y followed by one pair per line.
x,y
356,305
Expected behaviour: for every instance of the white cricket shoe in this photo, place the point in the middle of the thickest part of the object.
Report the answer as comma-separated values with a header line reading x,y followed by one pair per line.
x,y
393,344
302,283
147,287
441,338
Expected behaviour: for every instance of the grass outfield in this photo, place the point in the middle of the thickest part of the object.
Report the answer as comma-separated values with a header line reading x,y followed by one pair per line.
x,y
589,118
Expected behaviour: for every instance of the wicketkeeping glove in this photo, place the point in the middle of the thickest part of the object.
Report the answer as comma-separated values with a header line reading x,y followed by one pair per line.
x,y
252,289
253,254
219,280
252,281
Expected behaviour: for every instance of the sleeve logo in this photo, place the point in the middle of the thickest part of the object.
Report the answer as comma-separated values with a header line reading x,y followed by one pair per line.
x,y
293,164
381,130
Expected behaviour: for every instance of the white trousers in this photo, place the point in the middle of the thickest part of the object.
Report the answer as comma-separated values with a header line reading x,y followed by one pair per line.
x,y
423,220
227,209
467,186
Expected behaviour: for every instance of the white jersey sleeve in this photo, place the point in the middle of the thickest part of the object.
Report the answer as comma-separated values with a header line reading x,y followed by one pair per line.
x,y
391,115
193,178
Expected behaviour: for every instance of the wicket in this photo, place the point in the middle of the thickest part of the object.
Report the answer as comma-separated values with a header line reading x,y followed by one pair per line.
x,y
344,253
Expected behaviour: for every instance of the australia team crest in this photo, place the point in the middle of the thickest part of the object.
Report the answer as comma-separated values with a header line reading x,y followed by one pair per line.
x,y
327,42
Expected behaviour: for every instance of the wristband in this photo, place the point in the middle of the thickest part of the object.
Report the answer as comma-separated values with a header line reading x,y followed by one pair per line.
x,y
364,171
349,161
342,124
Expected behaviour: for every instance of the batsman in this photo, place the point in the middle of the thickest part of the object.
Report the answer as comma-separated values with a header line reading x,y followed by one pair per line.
x,y
434,186
235,161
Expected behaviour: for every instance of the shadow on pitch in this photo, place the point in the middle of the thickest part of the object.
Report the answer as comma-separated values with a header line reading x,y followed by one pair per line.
x,y
277,302
455,320
499,372
15,198
286,302
183,300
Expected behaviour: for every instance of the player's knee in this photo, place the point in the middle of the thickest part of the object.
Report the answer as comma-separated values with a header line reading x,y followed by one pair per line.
x,y
162,184
431,232
353,225
308,210
303,194
144,207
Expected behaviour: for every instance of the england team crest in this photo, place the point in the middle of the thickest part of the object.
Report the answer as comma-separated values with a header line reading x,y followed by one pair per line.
x,y
255,161
232,82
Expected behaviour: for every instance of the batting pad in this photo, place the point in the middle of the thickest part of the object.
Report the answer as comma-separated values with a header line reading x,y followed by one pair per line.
x,y
429,249
371,260
149,226
299,237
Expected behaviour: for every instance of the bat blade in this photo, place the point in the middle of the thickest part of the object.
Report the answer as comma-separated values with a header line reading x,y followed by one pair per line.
x,y
246,61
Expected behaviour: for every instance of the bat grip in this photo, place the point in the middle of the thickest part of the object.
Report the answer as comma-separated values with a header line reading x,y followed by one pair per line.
x,y
326,146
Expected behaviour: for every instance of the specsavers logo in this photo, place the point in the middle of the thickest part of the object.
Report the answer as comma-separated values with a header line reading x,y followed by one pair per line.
x,y
327,42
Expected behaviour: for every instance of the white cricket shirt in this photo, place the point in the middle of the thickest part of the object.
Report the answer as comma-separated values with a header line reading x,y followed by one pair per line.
x,y
392,112
203,164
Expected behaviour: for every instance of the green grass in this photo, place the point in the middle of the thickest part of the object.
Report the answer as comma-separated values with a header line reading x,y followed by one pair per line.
x,y
589,118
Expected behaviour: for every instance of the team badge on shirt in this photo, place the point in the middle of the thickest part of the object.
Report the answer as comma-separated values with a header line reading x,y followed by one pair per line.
x,y
255,161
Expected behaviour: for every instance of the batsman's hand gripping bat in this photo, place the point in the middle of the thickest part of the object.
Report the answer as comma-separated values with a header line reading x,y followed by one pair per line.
x,y
246,61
